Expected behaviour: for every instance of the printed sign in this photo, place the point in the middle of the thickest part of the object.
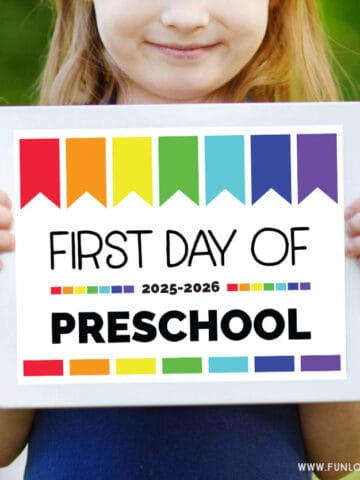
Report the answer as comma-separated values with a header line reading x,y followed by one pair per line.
x,y
164,255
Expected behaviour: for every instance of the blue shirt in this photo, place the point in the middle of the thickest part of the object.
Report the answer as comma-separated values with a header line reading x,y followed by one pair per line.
x,y
167,443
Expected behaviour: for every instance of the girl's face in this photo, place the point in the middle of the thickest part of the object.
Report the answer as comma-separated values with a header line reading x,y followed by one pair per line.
x,y
180,50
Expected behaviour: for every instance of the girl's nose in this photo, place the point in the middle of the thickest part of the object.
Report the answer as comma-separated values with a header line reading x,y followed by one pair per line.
x,y
185,15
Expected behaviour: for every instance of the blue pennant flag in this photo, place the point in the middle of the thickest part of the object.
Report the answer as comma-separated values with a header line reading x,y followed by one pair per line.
x,y
270,165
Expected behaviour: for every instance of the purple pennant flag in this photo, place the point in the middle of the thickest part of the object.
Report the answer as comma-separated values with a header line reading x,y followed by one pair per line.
x,y
317,165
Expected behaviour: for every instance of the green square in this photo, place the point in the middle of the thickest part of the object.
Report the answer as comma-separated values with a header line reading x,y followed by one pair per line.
x,y
92,290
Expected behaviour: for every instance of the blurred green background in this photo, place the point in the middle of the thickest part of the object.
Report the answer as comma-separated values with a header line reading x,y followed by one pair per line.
x,y
25,27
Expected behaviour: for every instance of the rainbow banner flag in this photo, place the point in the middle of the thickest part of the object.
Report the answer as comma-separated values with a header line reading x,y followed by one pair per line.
x,y
157,167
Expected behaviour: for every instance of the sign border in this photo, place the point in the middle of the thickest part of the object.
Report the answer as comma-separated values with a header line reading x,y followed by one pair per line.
x,y
13,395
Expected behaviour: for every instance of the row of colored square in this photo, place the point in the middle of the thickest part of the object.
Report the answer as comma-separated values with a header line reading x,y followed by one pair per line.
x,y
268,287
92,290
181,365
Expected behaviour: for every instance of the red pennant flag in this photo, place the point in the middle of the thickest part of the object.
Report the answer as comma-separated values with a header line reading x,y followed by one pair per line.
x,y
39,170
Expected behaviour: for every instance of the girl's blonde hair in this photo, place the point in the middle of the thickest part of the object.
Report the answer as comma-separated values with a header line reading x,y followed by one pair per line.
x,y
291,63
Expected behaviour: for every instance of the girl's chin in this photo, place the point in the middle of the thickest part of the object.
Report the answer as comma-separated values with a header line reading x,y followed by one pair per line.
x,y
181,96
158,94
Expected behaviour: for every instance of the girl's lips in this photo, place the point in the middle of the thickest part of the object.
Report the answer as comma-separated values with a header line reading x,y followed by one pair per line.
x,y
183,52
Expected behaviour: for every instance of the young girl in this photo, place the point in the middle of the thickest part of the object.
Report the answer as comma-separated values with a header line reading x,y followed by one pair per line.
x,y
169,51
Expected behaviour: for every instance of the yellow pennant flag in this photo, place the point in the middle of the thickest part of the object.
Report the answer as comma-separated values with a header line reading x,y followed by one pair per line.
x,y
132,168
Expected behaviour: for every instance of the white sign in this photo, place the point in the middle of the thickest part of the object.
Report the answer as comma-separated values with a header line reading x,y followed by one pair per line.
x,y
161,257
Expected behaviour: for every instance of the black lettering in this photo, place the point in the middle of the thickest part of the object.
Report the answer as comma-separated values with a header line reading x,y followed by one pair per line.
x,y
54,252
164,326
114,327
201,236
210,325
222,250
148,328
293,246
286,247
81,255
62,324
293,329
139,234
90,324
123,260
245,324
169,261
279,324
73,250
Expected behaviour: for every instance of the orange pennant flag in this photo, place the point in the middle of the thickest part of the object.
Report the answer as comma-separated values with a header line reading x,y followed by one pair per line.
x,y
86,168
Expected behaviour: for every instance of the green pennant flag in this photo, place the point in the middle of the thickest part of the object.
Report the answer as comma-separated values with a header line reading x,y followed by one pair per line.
x,y
178,167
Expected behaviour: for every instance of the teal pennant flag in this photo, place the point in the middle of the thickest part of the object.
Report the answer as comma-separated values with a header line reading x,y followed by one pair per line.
x,y
225,166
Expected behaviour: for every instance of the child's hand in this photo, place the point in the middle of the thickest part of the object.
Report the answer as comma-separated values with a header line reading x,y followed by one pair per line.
x,y
352,218
7,239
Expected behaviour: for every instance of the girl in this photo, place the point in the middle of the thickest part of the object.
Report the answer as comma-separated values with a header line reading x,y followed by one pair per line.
x,y
169,51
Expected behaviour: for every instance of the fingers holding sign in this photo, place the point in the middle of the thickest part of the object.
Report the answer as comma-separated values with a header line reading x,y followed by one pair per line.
x,y
7,239
352,218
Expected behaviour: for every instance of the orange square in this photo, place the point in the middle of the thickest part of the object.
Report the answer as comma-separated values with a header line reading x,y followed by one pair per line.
x,y
68,290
